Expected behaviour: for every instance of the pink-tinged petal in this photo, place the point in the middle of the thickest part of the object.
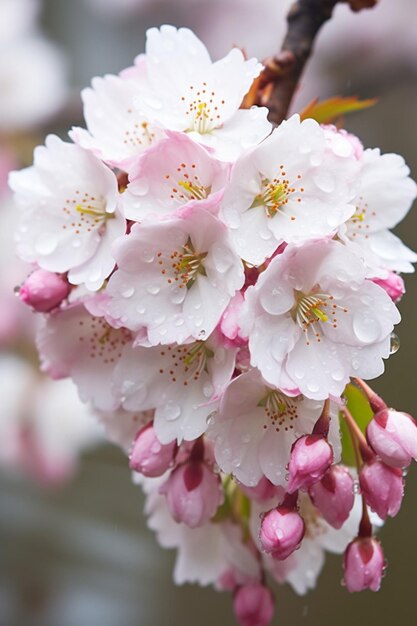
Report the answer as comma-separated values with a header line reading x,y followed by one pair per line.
x,y
173,174
67,201
175,277
72,343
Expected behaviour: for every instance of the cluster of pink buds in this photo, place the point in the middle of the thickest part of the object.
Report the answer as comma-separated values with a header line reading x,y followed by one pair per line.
x,y
212,285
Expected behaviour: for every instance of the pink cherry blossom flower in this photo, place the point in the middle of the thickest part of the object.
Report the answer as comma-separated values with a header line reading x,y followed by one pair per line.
x,y
173,174
313,320
382,487
43,290
175,277
378,210
255,427
290,188
333,495
364,565
72,342
190,93
393,436
311,457
254,605
68,213
180,382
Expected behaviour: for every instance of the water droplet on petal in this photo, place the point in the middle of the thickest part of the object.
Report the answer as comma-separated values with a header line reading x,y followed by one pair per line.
x,y
171,411
208,389
46,243
127,291
365,328
153,289
147,255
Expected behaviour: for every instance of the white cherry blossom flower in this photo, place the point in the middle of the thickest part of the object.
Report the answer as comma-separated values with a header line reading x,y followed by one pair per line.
x,y
116,133
181,382
190,93
68,213
173,174
175,277
290,188
313,319
204,554
255,427
385,195
73,342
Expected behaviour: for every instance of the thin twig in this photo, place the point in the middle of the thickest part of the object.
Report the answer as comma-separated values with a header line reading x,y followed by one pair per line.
x,y
280,78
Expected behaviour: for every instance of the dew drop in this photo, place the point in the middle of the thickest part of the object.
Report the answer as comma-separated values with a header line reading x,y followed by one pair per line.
x,y
365,328
395,344
177,295
271,300
153,289
171,411
208,389
47,243
127,291
147,256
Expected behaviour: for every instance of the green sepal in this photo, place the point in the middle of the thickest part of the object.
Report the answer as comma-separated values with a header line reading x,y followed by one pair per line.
x,y
362,413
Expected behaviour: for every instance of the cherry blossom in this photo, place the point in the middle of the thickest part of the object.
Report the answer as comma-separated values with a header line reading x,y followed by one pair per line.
x,y
256,426
68,213
179,382
190,93
282,193
205,553
190,176
72,342
116,133
313,320
175,277
378,209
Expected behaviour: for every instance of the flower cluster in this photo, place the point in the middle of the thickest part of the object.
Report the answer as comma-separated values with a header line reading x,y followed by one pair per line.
x,y
212,285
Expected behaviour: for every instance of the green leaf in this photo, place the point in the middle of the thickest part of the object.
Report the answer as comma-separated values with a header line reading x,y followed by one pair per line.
x,y
330,110
361,411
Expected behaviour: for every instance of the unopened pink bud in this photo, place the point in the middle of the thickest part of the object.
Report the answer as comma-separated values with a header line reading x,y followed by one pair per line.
x,y
311,457
193,493
393,284
44,291
282,531
254,605
149,456
363,564
382,487
393,436
333,495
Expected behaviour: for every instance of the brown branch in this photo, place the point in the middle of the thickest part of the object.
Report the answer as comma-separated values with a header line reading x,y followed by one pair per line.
x,y
277,83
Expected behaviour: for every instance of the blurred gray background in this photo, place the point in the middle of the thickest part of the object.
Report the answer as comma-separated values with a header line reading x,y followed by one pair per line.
x,y
82,555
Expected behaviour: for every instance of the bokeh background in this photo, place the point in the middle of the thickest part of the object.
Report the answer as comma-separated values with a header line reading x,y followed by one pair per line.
x,y
74,547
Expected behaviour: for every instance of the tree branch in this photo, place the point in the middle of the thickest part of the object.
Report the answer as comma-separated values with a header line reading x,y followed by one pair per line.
x,y
277,83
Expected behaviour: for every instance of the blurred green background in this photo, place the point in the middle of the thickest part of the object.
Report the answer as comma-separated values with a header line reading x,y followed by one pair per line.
x,y
82,555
